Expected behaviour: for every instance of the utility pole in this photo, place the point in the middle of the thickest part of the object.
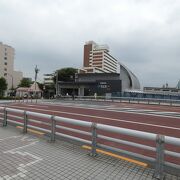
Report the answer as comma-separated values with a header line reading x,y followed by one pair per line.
x,y
56,83
36,72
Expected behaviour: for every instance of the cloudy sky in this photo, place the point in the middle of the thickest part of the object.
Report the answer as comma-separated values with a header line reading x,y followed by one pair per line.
x,y
142,34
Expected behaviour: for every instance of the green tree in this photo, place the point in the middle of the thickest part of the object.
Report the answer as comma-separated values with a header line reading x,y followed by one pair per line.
x,y
66,74
3,86
25,82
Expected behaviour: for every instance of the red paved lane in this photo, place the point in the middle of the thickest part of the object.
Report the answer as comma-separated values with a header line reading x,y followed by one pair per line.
x,y
149,123
156,124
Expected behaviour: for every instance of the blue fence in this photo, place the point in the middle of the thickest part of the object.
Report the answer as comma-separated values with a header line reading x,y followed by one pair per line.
x,y
145,95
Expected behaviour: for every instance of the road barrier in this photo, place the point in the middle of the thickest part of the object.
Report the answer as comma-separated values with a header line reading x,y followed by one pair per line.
x,y
90,133
170,102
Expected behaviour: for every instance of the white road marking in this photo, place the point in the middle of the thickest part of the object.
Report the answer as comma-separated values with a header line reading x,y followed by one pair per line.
x,y
33,143
9,138
162,114
112,119
22,167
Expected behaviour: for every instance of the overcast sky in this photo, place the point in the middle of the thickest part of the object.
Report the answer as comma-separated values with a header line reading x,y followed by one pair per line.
x,y
142,34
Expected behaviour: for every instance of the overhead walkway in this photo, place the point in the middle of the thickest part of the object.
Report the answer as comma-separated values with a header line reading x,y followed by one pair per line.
x,y
25,156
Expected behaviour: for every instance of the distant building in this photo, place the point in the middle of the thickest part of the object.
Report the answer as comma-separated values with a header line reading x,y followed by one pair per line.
x,y
97,59
17,77
101,73
178,85
49,87
12,77
48,79
32,91
162,90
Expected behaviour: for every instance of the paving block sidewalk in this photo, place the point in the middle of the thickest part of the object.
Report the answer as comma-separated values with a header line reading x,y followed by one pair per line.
x,y
28,157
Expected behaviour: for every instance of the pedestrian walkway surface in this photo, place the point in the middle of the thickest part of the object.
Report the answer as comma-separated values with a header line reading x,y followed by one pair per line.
x,y
29,157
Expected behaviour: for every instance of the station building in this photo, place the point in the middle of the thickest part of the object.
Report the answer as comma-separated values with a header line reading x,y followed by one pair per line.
x,y
101,73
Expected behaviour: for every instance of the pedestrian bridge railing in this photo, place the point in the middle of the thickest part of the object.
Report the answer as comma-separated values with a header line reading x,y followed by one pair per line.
x,y
149,147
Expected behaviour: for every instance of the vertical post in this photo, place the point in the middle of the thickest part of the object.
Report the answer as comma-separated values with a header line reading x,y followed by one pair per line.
x,y
57,83
94,138
53,128
25,122
160,139
5,118
170,102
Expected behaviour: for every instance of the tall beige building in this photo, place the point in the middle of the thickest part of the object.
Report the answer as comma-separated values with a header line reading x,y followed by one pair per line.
x,y
12,77
97,59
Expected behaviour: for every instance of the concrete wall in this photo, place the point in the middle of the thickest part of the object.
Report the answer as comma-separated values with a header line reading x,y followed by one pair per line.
x,y
17,77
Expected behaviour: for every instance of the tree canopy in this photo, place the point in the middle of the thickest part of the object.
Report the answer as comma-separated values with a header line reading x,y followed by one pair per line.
x,y
66,74
25,82
3,86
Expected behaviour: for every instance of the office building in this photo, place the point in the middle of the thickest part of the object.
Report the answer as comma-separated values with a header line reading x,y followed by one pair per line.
x,y
97,59
12,77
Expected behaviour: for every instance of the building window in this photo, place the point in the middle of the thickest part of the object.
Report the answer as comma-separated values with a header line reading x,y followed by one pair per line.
x,y
5,63
5,58
5,69
5,74
5,53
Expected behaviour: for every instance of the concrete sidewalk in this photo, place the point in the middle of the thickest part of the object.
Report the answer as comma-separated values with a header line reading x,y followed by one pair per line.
x,y
29,157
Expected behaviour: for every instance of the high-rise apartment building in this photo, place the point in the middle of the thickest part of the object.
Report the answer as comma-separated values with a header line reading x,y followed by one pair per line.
x,y
7,66
98,59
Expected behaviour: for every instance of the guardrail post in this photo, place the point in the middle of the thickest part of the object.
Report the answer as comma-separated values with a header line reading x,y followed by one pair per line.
x,y
148,101
25,122
170,102
160,139
94,137
53,128
5,118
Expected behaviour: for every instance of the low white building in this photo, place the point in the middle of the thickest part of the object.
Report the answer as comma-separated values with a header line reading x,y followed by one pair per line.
x,y
32,91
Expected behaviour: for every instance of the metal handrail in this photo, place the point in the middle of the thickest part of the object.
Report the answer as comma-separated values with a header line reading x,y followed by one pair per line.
x,y
129,132
55,123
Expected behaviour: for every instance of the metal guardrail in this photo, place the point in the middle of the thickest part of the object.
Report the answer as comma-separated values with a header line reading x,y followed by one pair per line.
x,y
170,102
54,127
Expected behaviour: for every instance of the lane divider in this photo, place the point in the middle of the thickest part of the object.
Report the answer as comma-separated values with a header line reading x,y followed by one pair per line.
x,y
117,156
32,131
